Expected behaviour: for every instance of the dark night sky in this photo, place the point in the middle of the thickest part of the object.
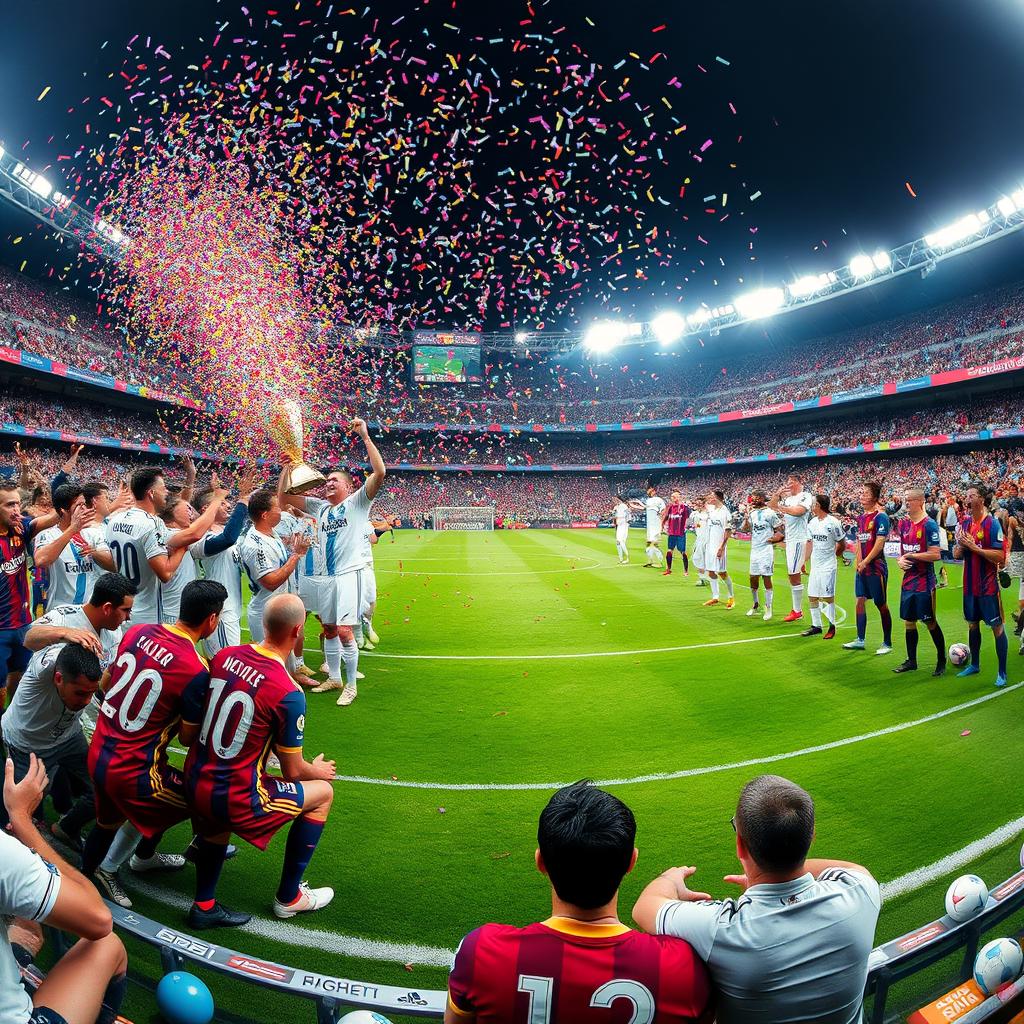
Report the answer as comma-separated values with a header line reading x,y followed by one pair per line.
x,y
841,103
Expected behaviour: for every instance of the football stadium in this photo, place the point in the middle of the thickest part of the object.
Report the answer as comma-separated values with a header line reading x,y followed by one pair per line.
x,y
511,514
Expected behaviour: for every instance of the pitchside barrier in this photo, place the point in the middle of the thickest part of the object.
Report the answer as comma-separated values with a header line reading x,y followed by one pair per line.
x,y
888,965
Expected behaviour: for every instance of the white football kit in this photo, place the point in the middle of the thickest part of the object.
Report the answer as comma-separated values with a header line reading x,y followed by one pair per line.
x,y
368,576
171,591
654,506
302,578
72,573
621,515
764,524
700,538
341,533
225,568
718,521
260,555
796,530
825,533
134,537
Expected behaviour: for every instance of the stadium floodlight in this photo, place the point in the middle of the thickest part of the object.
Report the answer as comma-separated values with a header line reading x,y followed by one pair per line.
x,y
2,151
955,233
604,335
862,265
760,303
1006,206
668,327
40,186
809,284
882,260
522,336
1018,198
699,316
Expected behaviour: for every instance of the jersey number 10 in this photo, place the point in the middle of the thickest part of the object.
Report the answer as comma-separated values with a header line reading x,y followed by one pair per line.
x,y
218,714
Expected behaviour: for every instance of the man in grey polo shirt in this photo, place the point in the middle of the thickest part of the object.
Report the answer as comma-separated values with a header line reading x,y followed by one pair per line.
x,y
795,945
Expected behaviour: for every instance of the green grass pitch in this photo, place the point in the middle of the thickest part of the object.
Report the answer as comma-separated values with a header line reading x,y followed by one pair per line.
x,y
605,672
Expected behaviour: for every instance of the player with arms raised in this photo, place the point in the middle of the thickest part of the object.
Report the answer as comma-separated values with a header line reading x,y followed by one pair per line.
x,y
765,528
654,510
251,708
581,965
979,542
794,504
674,521
342,516
825,542
919,551
871,567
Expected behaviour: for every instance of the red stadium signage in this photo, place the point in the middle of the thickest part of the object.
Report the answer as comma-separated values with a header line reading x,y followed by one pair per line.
x,y
259,969
9,355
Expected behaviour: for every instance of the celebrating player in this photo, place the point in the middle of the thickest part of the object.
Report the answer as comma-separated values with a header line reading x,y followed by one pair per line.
x,y
719,530
979,542
674,521
140,714
794,504
250,708
654,508
342,516
824,543
871,567
919,551
764,526
620,516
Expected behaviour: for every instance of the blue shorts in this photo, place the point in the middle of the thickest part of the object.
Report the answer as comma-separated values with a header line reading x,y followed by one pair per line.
x,y
988,609
677,543
871,587
917,607
13,652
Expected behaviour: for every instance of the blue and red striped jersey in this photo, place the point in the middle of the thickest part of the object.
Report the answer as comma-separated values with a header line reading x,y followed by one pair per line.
x,y
919,537
871,526
981,577
14,595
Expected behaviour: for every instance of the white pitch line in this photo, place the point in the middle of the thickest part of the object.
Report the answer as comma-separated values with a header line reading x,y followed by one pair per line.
x,y
437,956
511,572
921,877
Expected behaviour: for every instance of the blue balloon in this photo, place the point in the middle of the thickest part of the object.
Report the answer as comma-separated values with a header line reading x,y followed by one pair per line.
x,y
184,999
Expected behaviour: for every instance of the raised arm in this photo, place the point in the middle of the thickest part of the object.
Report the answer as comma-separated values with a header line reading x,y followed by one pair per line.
x,y
46,554
182,538
378,471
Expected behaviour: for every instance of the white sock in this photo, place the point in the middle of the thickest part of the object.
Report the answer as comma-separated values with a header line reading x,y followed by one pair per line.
x,y
368,624
714,588
332,654
357,631
816,615
769,597
797,594
753,597
350,655
729,587
828,610
121,848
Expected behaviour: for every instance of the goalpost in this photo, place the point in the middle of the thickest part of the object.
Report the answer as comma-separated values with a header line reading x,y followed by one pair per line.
x,y
463,518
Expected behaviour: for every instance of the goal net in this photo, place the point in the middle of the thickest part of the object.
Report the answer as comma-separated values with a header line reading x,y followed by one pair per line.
x,y
464,518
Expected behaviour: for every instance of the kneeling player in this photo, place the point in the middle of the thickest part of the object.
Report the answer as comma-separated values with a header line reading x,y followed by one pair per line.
x,y
251,707
979,542
764,526
919,551
141,712
826,540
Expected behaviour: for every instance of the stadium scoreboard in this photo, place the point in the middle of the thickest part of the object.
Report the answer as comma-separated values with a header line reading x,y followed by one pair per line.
x,y
446,358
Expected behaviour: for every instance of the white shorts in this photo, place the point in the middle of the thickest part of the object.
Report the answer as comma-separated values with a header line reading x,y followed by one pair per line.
x,y
653,534
227,634
307,590
762,563
338,598
796,556
700,555
716,564
367,590
254,617
621,534
822,583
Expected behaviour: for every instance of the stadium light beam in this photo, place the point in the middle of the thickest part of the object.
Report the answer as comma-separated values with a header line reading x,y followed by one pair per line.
x,y
668,327
957,232
761,303
861,265
699,317
881,260
605,335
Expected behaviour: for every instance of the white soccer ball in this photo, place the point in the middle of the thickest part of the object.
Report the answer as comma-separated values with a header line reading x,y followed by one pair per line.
x,y
999,962
364,1017
959,654
966,897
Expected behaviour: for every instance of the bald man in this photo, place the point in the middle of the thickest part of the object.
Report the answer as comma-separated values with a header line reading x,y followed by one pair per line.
x,y
251,706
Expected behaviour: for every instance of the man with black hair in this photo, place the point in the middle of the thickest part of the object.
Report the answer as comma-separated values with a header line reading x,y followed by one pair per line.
x,y
765,526
45,719
582,960
74,552
825,542
718,524
140,715
871,567
795,946
979,542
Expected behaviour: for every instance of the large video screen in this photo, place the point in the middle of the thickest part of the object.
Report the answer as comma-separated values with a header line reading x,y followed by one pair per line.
x,y
446,364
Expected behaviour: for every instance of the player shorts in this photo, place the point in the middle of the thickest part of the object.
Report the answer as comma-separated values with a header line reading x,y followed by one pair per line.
x,y
153,803
871,587
700,553
227,634
621,534
274,804
677,543
762,563
715,564
987,608
917,607
367,590
653,534
13,652
338,599
254,617
308,592
796,556
821,583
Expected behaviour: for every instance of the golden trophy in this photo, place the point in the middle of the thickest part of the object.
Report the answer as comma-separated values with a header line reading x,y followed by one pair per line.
x,y
284,424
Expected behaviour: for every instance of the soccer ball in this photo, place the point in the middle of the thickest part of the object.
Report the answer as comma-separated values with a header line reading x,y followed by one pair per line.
x,y
966,897
363,1017
999,962
959,654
